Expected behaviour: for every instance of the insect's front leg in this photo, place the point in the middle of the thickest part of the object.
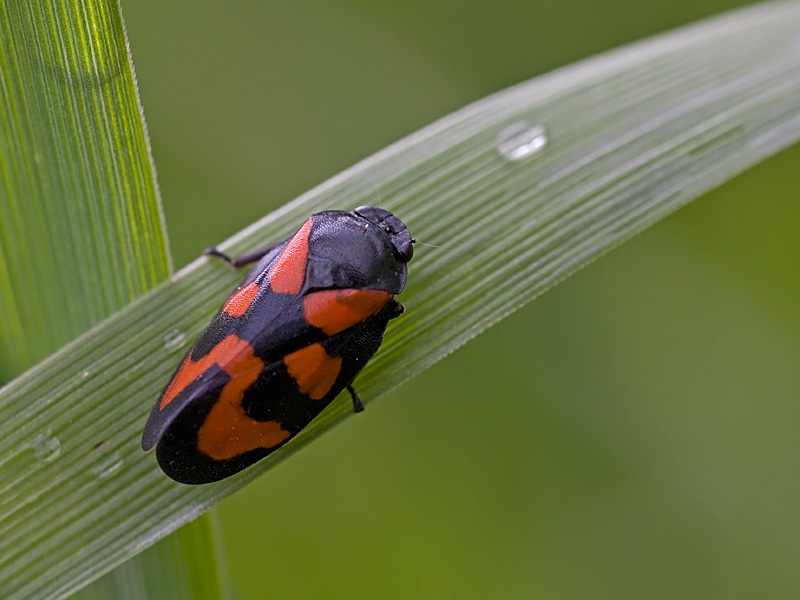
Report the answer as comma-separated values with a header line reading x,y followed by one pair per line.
x,y
396,309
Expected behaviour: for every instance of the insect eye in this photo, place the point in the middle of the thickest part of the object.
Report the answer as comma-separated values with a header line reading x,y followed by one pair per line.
x,y
406,249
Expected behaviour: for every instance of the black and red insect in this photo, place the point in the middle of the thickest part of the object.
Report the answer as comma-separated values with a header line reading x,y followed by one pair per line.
x,y
294,334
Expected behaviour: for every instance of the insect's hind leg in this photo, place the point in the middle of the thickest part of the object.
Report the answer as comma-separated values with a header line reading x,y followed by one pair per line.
x,y
243,260
358,406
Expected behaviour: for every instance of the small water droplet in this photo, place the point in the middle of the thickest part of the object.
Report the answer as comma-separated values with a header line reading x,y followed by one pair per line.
x,y
521,140
174,339
107,465
46,447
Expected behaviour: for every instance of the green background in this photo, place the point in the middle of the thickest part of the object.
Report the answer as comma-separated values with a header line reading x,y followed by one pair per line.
x,y
631,434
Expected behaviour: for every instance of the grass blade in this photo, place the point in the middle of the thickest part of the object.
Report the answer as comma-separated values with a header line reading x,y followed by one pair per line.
x,y
183,565
79,205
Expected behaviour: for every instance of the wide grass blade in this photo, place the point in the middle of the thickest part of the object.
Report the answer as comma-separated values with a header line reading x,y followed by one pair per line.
x,y
517,192
187,565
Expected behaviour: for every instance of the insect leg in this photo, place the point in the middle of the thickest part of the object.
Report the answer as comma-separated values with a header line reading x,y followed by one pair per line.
x,y
396,309
240,261
358,406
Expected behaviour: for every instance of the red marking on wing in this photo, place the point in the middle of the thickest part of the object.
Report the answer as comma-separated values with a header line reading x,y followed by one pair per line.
x,y
333,311
289,272
224,353
227,431
313,369
241,300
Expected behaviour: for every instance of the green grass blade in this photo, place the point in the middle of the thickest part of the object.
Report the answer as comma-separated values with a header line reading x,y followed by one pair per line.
x,y
81,231
80,220
625,139
185,565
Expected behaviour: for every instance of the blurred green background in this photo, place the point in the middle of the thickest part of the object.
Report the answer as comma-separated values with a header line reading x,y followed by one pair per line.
x,y
631,434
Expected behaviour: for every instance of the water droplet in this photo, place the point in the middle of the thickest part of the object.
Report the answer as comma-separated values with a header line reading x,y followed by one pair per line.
x,y
46,447
521,140
174,339
107,465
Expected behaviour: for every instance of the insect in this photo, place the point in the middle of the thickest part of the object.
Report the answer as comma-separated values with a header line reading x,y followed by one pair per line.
x,y
294,334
